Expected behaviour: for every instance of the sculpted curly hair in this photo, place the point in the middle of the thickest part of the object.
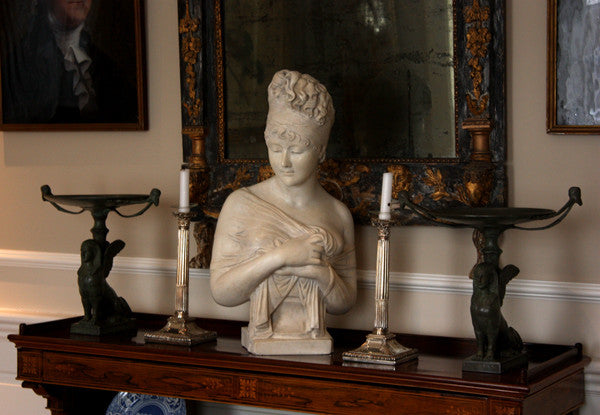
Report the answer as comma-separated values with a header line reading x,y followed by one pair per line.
x,y
304,94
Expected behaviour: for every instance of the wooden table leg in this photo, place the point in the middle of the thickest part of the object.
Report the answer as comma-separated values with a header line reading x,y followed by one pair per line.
x,y
65,400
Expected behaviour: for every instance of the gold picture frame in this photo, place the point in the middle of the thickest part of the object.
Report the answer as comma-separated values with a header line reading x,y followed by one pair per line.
x,y
571,107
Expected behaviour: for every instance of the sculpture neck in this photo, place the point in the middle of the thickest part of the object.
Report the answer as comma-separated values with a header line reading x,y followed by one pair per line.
x,y
299,195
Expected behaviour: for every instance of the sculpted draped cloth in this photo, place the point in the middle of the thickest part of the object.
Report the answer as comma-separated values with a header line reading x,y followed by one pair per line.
x,y
256,226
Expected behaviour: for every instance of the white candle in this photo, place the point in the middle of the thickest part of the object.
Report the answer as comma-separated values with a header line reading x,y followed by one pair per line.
x,y
386,196
184,190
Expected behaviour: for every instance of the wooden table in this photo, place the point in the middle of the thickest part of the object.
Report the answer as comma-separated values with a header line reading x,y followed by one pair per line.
x,y
79,374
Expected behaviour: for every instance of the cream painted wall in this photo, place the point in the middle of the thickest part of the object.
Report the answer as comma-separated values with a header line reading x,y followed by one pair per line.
x,y
541,168
101,162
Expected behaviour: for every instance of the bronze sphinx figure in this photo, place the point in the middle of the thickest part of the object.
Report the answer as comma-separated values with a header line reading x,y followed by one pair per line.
x,y
495,339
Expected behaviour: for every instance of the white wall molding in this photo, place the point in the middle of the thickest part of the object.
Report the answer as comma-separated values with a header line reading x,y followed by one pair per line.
x,y
70,262
518,288
453,284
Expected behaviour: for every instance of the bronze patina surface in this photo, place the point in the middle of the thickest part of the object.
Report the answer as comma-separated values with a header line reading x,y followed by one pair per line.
x,y
499,346
104,311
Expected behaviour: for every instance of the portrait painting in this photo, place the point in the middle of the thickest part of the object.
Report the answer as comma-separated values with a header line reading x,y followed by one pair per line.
x,y
72,65
574,66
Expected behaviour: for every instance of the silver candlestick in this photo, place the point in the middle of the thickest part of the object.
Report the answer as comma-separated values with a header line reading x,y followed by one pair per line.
x,y
180,328
381,346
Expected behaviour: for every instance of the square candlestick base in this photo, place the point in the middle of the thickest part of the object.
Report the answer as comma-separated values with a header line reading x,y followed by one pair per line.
x,y
381,349
181,331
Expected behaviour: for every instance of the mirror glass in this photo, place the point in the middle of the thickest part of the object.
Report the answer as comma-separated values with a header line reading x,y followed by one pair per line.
x,y
392,80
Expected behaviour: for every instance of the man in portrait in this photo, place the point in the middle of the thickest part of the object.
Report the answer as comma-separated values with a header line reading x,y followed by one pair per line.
x,y
54,71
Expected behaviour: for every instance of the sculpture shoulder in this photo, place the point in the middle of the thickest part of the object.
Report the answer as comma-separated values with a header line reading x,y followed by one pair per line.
x,y
234,208
341,212
341,219
235,201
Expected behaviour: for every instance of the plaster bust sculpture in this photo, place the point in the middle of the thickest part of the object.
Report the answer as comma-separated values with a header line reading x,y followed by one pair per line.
x,y
285,244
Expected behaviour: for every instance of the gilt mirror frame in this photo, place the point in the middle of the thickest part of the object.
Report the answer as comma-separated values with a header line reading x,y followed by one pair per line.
x,y
476,176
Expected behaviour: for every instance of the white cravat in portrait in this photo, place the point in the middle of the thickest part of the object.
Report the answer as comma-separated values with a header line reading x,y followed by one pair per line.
x,y
76,60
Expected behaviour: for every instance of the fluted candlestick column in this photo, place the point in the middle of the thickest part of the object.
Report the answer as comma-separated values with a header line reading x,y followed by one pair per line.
x,y
183,275
381,346
180,328
382,280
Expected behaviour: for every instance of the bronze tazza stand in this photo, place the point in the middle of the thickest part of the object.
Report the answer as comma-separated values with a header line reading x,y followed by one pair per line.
x,y
104,312
180,328
499,347
381,346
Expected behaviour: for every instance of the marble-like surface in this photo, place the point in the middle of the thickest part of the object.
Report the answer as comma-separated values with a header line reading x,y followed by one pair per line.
x,y
285,244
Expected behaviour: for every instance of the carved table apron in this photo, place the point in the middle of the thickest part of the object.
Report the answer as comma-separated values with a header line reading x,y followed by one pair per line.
x,y
79,374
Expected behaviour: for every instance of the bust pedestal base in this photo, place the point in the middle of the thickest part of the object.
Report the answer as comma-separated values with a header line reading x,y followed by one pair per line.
x,y
283,346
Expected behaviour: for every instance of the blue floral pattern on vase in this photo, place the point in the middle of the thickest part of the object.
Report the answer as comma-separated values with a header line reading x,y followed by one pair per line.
x,y
126,403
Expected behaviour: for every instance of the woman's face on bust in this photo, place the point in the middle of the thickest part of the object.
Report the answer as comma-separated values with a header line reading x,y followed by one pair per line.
x,y
71,13
292,154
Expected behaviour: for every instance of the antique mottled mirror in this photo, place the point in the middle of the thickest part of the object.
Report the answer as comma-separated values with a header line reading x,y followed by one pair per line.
x,y
418,88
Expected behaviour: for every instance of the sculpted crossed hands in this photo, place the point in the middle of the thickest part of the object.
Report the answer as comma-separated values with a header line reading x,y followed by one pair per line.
x,y
304,250
304,257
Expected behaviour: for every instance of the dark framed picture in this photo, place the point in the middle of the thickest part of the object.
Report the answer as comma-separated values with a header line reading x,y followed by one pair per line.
x,y
72,65
573,102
